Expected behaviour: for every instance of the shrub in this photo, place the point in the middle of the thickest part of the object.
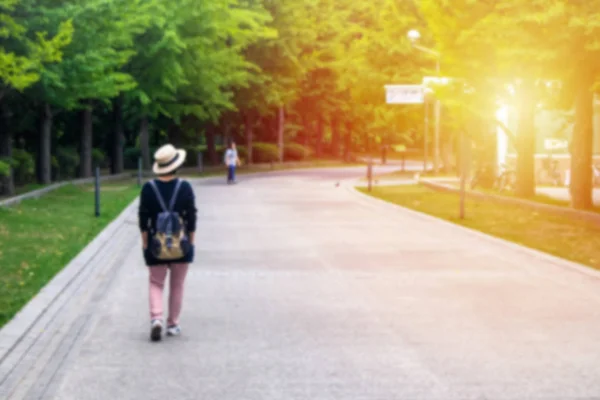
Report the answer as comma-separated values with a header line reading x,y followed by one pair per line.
x,y
23,165
4,167
264,153
191,159
242,154
98,158
67,160
220,150
296,152
131,156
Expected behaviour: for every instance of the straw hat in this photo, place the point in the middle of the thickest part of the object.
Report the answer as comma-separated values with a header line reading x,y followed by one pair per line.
x,y
168,159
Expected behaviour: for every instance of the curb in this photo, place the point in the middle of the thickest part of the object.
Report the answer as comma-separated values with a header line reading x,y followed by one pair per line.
x,y
557,210
540,255
34,194
20,325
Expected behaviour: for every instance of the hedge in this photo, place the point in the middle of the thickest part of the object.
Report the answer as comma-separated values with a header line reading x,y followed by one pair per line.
x,y
23,164
296,152
264,153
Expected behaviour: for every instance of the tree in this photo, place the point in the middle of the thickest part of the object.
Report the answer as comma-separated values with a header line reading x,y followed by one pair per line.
x,y
280,64
24,54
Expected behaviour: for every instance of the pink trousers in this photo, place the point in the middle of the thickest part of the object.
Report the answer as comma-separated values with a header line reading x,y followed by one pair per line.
x,y
158,276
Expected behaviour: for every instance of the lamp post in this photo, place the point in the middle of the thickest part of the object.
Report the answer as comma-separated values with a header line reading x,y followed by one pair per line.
x,y
414,36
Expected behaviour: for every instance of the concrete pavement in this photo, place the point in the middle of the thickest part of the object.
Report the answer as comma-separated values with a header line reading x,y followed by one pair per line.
x,y
304,290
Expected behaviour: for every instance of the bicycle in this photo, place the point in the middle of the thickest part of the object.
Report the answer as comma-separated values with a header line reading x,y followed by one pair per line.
x,y
549,172
483,176
506,179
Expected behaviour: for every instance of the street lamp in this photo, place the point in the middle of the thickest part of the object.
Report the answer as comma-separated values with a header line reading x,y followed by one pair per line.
x,y
414,36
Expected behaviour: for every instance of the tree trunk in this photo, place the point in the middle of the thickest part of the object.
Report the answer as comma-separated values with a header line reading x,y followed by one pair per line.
x,y
210,144
175,135
280,130
582,141
7,183
348,142
145,143
226,126
319,138
45,146
305,131
248,122
117,164
525,185
447,155
335,137
86,144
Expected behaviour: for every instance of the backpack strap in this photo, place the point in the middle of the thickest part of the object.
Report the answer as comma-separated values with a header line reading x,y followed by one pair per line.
x,y
175,192
161,201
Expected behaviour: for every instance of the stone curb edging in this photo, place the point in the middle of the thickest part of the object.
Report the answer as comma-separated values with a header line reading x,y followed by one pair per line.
x,y
540,255
20,325
40,192
558,210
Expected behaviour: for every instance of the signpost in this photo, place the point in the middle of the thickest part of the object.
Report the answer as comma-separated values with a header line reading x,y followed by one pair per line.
x,y
404,94
409,94
428,81
97,192
556,144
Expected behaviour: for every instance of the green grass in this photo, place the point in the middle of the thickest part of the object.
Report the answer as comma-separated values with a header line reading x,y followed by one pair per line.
x,y
24,189
39,237
538,197
575,240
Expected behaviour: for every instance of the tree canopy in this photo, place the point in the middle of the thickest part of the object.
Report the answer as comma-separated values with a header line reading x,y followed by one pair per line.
x,y
103,82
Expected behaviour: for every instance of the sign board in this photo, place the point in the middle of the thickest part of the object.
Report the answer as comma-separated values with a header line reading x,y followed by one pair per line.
x,y
404,94
435,80
556,144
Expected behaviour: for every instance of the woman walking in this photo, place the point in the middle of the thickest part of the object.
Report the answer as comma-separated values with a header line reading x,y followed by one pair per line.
x,y
167,217
232,161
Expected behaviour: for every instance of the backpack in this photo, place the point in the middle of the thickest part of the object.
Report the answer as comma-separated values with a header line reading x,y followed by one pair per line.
x,y
170,241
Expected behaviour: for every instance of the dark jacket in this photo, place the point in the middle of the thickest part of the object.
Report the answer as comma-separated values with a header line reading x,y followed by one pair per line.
x,y
150,207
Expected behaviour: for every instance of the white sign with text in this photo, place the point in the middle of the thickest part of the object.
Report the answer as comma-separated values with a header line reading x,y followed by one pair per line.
x,y
404,94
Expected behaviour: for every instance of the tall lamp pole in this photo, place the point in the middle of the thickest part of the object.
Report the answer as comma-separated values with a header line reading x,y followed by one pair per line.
x,y
414,37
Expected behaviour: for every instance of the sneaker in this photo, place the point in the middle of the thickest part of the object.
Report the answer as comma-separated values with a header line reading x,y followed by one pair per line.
x,y
156,330
173,330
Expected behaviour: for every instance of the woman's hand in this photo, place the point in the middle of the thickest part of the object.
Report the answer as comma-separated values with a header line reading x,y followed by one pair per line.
x,y
145,240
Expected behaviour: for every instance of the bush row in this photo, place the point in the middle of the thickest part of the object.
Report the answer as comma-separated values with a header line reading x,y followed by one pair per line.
x,y
261,153
65,161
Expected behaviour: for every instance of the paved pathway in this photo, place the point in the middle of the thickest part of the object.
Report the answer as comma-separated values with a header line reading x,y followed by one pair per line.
x,y
304,290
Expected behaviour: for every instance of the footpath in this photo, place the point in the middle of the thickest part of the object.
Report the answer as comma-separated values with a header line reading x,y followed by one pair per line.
x,y
304,289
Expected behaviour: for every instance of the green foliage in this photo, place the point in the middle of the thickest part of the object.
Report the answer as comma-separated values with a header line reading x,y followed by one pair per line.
x,y
242,153
25,52
4,167
195,63
67,162
99,158
131,156
23,166
295,152
191,159
265,153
